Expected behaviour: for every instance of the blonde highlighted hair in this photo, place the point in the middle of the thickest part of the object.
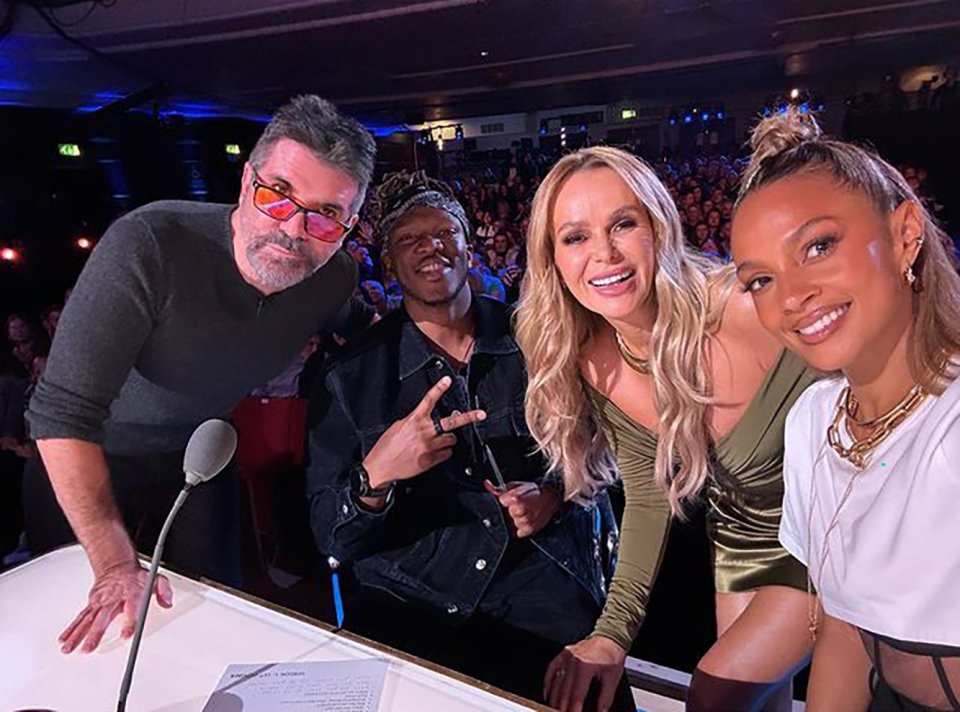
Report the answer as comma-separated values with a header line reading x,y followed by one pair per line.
x,y
553,328
788,144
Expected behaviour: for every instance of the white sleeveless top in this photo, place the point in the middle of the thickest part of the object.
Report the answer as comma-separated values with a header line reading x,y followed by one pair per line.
x,y
891,562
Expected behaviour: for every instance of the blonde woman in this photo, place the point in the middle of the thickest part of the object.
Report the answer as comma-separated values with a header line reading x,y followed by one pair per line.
x,y
643,358
847,269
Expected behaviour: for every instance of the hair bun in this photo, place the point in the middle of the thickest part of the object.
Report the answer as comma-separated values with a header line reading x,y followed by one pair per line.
x,y
783,132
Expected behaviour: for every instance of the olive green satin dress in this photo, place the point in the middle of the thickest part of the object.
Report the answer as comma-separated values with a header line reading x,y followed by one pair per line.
x,y
744,497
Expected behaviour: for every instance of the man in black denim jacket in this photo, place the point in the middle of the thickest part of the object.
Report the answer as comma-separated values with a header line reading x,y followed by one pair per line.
x,y
488,577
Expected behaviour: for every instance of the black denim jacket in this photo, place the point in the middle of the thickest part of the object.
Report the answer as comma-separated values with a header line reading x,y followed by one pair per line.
x,y
438,543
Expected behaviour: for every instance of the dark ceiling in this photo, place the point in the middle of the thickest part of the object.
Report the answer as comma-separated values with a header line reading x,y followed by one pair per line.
x,y
392,61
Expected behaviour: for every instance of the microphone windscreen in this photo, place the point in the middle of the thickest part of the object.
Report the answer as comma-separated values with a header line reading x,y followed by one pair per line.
x,y
210,448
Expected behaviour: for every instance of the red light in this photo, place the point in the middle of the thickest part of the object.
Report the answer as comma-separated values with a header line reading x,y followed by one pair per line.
x,y
84,243
8,254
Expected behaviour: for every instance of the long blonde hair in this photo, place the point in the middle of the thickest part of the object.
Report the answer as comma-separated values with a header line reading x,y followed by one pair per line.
x,y
553,328
787,144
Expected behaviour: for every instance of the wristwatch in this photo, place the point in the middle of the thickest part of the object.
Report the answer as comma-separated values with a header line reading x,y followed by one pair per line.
x,y
360,482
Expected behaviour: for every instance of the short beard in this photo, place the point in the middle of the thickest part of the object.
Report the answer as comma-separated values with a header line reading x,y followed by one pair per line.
x,y
278,273
412,293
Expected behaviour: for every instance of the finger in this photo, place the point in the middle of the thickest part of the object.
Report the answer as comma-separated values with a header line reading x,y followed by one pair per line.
x,y
458,420
76,632
130,611
68,631
608,690
515,492
518,511
164,592
577,688
549,678
440,456
432,397
491,488
443,442
562,688
100,624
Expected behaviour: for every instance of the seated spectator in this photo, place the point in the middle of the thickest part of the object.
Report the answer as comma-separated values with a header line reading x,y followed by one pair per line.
x,y
360,254
485,228
482,280
450,566
49,318
375,295
511,277
503,253
27,341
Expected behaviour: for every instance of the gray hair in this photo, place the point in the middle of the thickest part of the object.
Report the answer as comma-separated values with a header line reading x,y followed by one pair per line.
x,y
334,138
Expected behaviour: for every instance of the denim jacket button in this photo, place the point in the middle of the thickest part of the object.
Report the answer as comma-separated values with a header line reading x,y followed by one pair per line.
x,y
481,564
468,471
345,509
451,609
487,523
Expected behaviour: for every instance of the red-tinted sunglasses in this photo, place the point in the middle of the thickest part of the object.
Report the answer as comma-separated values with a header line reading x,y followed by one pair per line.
x,y
274,204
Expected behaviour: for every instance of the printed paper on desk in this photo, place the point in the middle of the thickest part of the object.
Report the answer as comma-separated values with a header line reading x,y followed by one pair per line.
x,y
341,686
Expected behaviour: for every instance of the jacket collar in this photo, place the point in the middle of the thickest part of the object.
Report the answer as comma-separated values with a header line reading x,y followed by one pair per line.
x,y
492,331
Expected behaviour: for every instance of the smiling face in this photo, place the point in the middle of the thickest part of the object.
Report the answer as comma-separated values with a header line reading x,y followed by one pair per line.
x,y
428,254
604,245
826,269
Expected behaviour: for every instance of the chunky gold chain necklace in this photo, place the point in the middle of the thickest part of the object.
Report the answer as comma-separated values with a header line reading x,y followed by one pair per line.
x,y
640,365
860,450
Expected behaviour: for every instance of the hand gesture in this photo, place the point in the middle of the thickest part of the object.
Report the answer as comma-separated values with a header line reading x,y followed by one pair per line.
x,y
569,675
529,506
118,591
413,445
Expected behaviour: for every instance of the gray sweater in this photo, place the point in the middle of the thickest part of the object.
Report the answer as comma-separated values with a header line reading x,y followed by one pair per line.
x,y
161,332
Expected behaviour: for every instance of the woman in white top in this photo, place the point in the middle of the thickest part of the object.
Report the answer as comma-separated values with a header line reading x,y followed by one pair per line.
x,y
846,267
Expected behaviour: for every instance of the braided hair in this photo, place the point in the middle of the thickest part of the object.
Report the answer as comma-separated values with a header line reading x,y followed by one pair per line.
x,y
402,191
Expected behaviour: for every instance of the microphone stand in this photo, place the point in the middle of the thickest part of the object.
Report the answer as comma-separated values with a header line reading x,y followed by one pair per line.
x,y
147,594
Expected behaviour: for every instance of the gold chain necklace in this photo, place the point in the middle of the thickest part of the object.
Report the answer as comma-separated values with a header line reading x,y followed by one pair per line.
x,y
860,450
640,365
813,600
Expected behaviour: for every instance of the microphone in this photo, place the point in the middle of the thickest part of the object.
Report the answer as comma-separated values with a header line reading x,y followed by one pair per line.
x,y
209,450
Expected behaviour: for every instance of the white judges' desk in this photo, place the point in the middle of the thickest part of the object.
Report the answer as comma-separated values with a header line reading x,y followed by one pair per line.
x,y
184,650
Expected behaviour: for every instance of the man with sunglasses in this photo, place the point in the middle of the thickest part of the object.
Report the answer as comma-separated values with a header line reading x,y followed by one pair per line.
x,y
180,311
423,480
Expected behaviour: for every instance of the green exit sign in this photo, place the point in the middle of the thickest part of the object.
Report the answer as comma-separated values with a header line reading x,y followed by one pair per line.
x,y
70,150
232,149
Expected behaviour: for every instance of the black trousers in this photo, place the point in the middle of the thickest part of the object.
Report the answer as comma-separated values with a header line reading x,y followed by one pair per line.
x,y
528,614
205,539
